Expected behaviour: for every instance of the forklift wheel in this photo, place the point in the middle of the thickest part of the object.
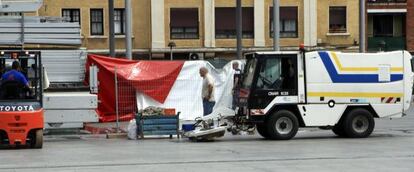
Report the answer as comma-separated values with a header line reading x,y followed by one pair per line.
x,y
37,142
282,125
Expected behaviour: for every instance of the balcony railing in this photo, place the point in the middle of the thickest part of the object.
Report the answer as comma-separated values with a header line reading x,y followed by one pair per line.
x,y
386,43
386,1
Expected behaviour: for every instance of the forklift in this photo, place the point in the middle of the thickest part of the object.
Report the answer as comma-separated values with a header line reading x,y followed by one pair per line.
x,y
21,112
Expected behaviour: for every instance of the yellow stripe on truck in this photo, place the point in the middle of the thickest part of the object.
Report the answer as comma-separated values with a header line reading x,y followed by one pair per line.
x,y
353,94
360,69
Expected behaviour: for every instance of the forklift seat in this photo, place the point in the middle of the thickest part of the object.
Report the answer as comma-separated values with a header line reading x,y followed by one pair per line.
x,y
12,90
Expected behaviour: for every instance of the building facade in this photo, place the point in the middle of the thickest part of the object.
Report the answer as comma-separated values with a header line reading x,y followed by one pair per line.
x,y
389,24
93,17
410,25
208,27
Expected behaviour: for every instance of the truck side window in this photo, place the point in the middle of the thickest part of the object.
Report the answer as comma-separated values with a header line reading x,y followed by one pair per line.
x,y
288,74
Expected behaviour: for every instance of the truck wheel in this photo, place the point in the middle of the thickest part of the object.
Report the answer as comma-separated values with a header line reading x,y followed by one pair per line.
x,y
339,130
37,139
262,130
282,125
358,123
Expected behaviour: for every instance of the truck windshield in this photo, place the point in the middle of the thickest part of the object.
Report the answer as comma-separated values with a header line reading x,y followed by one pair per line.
x,y
249,73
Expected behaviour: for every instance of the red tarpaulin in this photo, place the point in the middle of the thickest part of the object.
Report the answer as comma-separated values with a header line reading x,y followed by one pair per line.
x,y
153,78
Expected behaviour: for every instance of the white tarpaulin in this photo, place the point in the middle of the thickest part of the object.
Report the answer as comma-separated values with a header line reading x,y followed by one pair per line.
x,y
185,95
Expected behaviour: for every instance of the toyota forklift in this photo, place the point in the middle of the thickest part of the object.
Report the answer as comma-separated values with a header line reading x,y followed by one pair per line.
x,y
21,112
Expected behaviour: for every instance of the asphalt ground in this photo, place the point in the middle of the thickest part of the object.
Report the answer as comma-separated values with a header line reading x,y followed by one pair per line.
x,y
389,148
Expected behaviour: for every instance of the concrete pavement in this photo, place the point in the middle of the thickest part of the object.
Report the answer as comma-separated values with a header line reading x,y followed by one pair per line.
x,y
390,148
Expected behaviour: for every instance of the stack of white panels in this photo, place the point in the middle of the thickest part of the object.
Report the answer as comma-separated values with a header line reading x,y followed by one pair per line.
x,y
38,30
69,109
66,66
20,5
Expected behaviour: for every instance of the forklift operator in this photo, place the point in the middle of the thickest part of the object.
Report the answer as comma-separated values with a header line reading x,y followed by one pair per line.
x,y
15,75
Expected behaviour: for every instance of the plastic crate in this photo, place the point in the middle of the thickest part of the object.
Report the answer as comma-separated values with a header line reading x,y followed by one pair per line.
x,y
158,125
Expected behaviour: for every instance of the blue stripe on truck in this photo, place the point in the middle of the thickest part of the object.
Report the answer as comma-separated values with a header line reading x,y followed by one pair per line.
x,y
351,78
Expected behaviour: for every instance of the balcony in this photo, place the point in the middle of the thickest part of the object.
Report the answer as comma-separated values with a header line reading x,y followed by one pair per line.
x,y
386,1
386,43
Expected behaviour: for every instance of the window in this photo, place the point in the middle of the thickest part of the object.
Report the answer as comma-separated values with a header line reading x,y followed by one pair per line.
x,y
388,25
337,19
97,22
225,20
383,26
403,25
71,15
288,22
184,23
119,21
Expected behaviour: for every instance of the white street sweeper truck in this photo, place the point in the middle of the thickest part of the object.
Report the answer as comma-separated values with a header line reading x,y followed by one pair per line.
x,y
283,91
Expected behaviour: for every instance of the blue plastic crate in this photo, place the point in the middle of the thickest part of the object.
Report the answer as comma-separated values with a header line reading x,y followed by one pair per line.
x,y
158,125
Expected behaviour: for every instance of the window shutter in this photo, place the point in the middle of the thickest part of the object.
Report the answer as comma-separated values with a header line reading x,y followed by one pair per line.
x,y
225,18
337,15
286,13
248,19
184,17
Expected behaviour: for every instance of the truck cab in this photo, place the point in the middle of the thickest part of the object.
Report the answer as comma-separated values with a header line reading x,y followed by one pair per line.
x,y
268,76
21,112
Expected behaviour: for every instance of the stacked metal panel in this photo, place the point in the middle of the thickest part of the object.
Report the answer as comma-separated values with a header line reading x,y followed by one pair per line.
x,y
67,66
69,109
38,30
20,5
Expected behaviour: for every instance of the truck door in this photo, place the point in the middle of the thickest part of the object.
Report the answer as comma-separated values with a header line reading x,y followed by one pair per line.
x,y
276,75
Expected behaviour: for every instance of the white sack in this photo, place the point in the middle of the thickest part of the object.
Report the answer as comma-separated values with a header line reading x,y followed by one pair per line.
x,y
132,130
